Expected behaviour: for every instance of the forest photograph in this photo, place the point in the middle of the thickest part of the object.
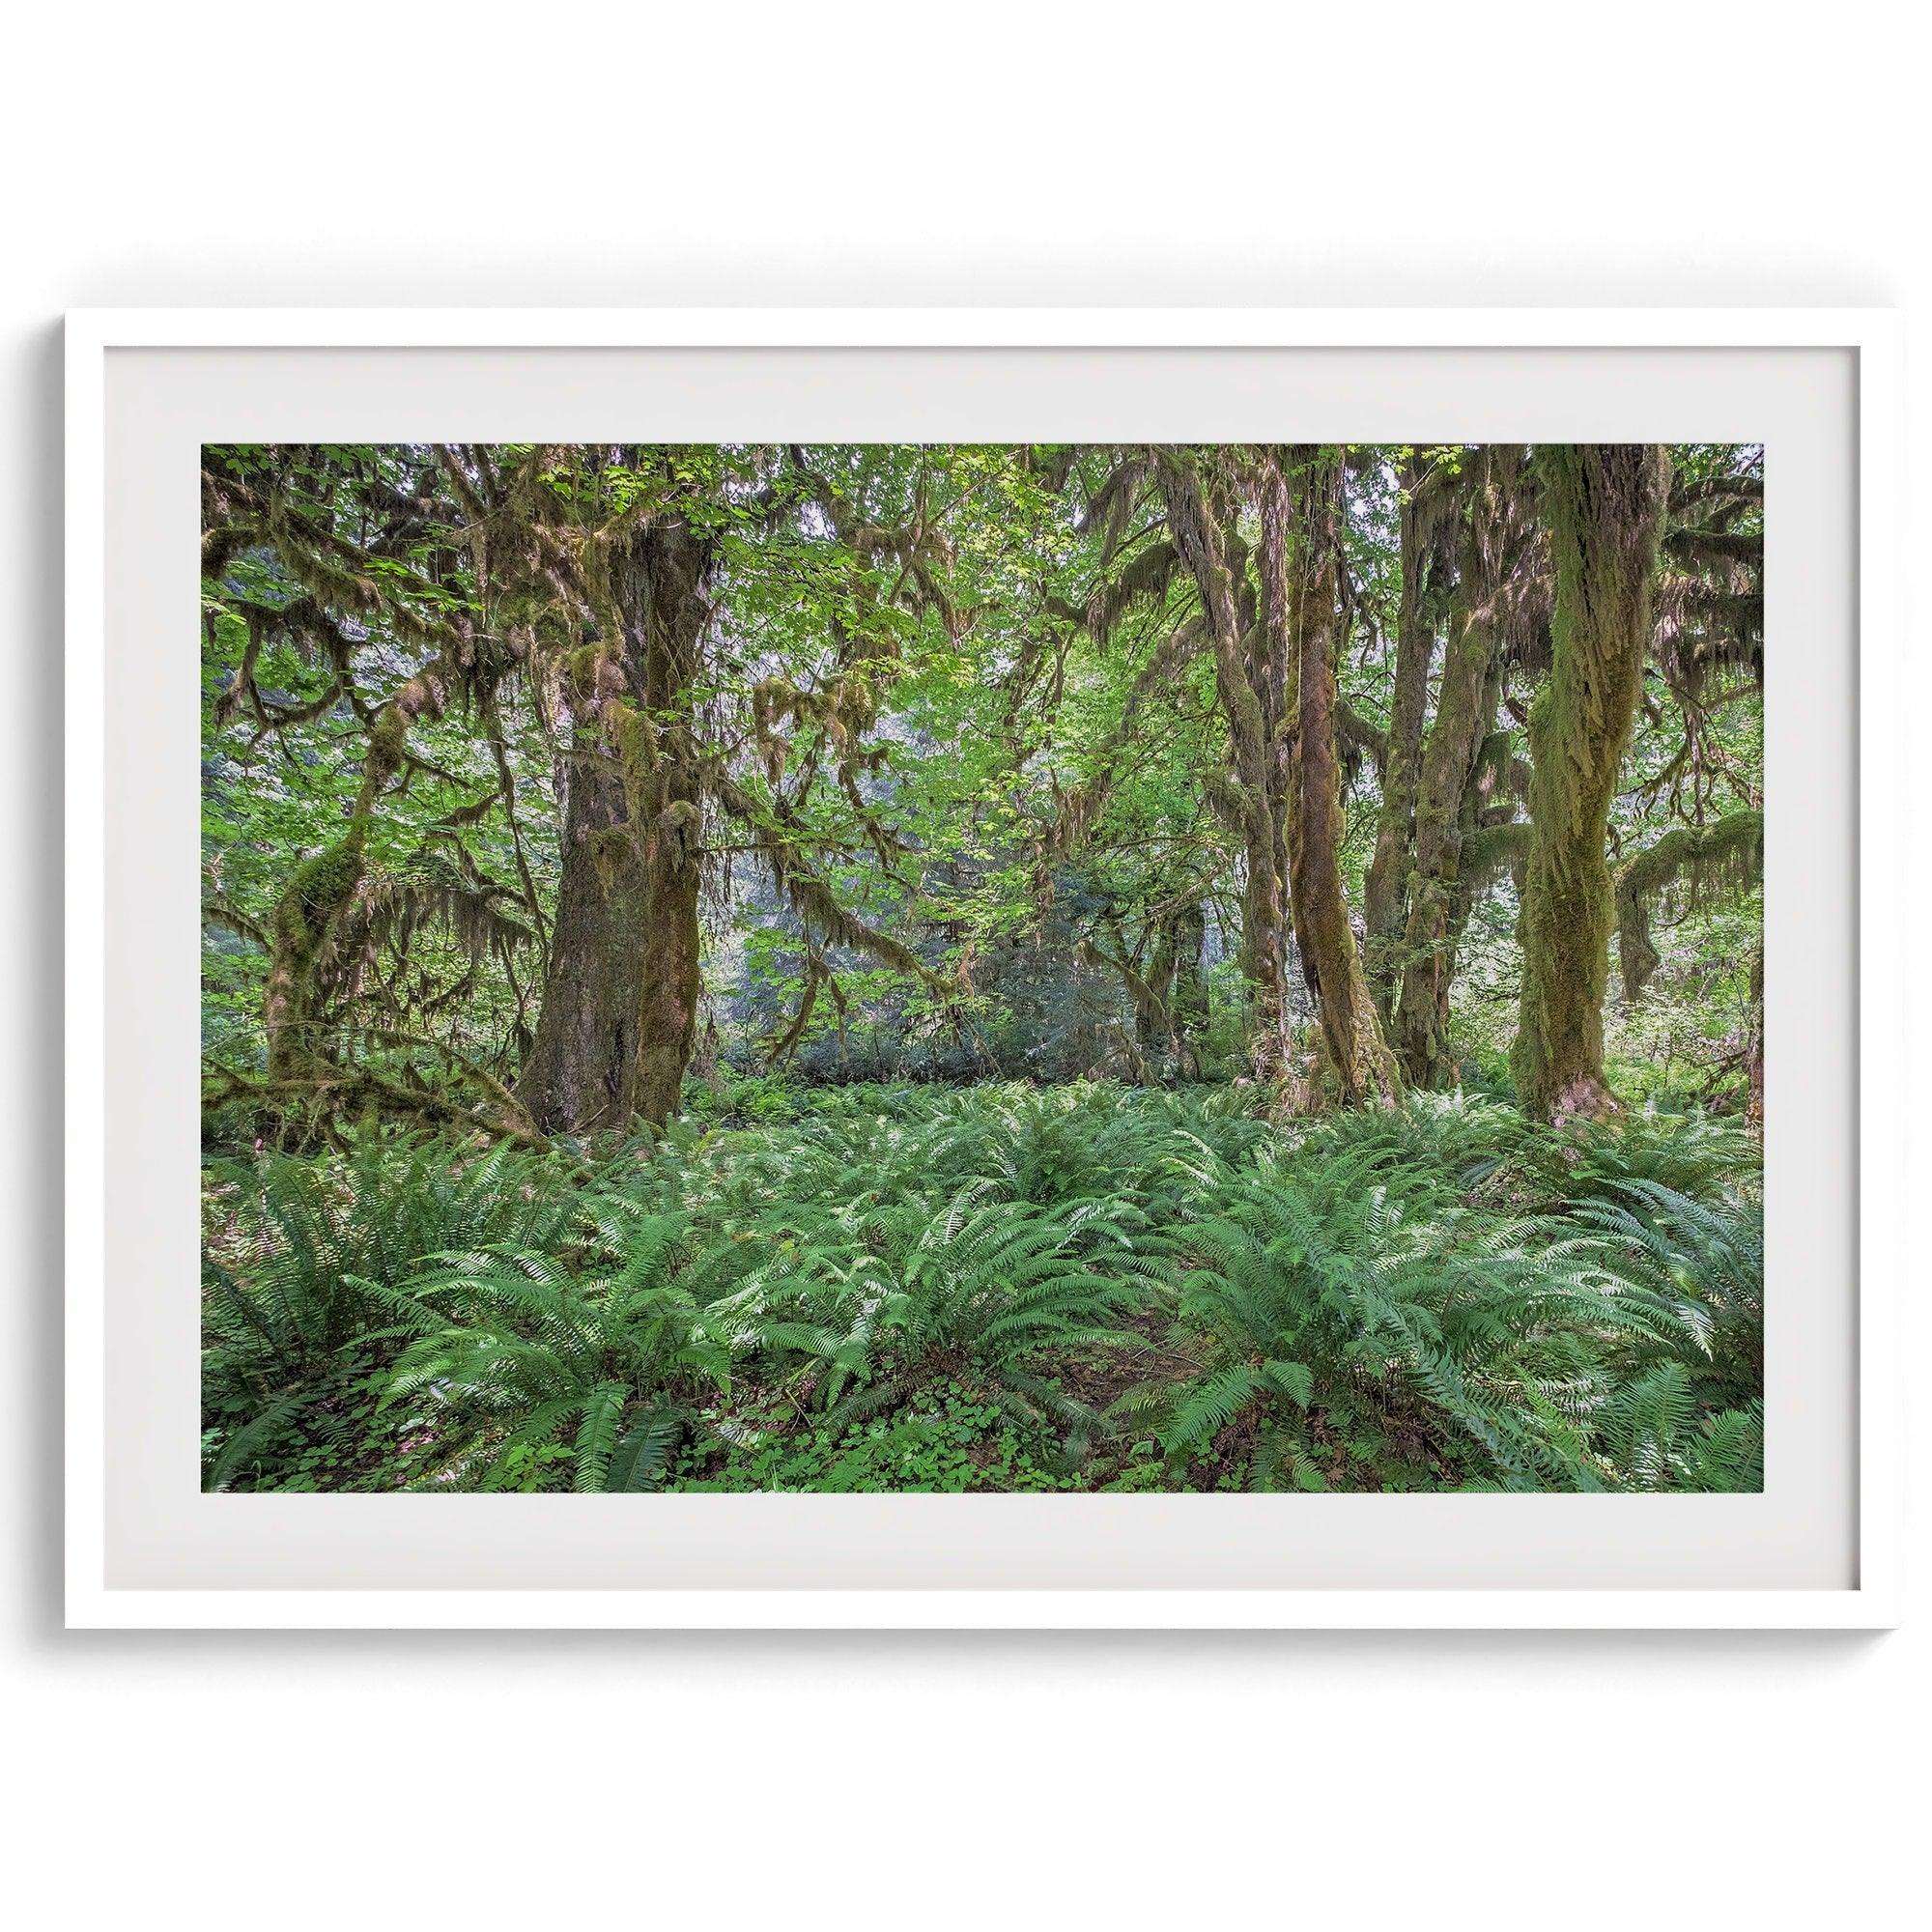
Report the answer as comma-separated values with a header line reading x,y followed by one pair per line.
x,y
944,968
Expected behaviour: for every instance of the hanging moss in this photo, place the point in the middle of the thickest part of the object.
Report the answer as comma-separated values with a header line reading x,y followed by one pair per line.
x,y
388,740
318,891
1488,852
1690,867
635,739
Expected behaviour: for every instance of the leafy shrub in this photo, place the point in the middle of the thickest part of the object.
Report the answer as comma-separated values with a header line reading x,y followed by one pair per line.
x,y
1466,1140
1709,1257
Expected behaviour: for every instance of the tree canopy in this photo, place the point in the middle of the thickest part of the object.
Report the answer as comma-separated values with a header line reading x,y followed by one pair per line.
x,y
535,776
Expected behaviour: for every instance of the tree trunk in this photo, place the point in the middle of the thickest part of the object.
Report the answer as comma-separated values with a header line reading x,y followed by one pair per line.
x,y
1754,1046
620,1007
1354,1050
1605,506
664,785
1190,1002
1154,1026
575,1075
319,894
1465,704
1420,1017
1385,888
1250,690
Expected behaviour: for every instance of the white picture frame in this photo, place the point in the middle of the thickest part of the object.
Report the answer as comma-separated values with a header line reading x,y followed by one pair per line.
x,y
1870,1596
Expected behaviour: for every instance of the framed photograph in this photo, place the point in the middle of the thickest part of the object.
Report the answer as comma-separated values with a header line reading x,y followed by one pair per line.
x,y
981,968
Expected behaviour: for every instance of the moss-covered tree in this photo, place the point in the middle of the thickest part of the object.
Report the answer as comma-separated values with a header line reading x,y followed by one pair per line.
x,y
1251,682
1487,610
619,1010
1605,505
529,768
1300,544
1430,502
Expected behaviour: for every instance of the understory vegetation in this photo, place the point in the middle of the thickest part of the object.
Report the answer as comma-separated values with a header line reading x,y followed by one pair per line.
x,y
998,1288
1014,967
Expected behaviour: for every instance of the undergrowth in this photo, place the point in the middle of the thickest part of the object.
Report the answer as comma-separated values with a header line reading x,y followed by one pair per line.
x,y
1000,1288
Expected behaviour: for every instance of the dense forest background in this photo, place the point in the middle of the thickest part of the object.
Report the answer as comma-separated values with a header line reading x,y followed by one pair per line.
x,y
1314,890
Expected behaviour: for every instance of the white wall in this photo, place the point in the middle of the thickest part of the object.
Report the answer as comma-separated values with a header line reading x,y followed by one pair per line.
x,y
830,152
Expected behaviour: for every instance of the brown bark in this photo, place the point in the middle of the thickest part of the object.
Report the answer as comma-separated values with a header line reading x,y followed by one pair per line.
x,y
1604,503
1187,1003
665,789
577,1069
1251,691
1354,1051
1168,1021
619,1011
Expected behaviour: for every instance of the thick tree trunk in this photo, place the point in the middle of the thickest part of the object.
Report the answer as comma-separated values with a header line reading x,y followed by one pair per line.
x,y
620,1010
1385,888
666,790
1154,1017
1354,1051
577,1075
1251,693
1605,505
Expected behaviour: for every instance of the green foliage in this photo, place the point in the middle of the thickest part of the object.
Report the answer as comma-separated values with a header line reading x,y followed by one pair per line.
x,y
1662,1440
1688,1154
999,1288
956,800
1399,1316
515,1350
303,1264
946,1442
985,1290
1707,1254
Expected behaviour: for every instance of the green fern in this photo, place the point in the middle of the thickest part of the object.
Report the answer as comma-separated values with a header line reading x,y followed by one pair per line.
x,y
304,1257
1441,1295
531,1351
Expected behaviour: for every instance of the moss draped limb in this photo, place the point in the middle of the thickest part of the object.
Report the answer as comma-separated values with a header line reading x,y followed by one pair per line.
x,y
1693,865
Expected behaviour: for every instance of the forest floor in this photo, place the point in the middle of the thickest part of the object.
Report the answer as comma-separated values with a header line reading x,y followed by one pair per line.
x,y
1000,1288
